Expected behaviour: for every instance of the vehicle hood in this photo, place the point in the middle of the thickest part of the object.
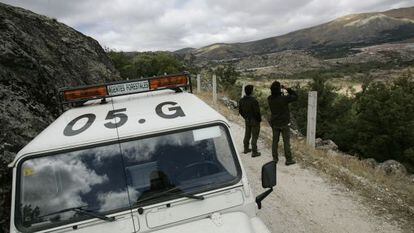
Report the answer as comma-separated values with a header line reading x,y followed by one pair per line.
x,y
216,223
219,223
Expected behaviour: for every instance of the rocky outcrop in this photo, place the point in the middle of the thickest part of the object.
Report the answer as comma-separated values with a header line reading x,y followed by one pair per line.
x,y
38,55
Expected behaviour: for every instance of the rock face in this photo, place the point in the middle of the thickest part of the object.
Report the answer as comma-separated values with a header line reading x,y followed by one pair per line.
x,y
38,55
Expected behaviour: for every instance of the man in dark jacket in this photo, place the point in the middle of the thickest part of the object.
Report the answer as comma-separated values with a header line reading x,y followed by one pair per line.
x,y
280,118
250,111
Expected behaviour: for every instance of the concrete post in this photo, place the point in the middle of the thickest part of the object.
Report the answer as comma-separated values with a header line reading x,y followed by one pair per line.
x,y
311,126
214,89
242,90
198,83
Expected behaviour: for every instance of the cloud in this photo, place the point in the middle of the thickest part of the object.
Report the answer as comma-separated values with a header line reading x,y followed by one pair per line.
x,y
57,184
174,24
115,200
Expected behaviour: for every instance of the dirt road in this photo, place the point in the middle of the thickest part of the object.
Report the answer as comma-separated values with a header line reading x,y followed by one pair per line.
x,y
305,201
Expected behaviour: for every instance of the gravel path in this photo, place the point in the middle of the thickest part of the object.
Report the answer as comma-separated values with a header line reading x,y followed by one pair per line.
x,y
305,201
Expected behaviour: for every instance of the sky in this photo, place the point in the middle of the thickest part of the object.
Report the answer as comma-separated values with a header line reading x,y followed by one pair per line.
x,y
149,25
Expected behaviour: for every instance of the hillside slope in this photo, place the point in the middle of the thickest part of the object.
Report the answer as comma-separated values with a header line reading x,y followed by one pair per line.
x,y
38,55
345,32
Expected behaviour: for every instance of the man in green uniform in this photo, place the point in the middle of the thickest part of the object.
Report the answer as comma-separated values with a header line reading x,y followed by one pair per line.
x,y
250,111
280,118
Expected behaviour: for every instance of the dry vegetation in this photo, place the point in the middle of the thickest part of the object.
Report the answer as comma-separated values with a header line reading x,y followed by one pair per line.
x,y
391,196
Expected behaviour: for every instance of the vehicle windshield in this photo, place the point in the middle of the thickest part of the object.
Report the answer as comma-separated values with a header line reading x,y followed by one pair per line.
x,y
111,178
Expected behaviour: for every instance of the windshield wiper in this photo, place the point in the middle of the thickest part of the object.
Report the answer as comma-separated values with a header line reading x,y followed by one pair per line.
x,y
81,210
175,191
189,195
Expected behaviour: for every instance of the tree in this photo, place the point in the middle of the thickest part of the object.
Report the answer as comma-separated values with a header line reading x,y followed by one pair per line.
x,y
122,63
330,107
146,64
385,121
227,75
150,64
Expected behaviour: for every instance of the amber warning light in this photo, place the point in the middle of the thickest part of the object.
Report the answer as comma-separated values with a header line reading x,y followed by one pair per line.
x,y
85,94
168,82
81,94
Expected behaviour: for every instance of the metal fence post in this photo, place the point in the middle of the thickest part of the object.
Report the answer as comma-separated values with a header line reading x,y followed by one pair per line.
x,y
311,126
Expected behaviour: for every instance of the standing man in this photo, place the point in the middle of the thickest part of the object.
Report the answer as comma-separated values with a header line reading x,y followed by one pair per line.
x,y
250,111
280,118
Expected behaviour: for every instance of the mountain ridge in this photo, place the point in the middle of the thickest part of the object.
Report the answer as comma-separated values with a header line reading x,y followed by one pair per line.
x,y
342,33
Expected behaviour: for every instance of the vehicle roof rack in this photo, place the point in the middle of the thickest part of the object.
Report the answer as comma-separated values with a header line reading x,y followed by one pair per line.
x,y
79,95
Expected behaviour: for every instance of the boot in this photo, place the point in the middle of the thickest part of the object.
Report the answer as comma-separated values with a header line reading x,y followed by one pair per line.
x,y
275,158
290,162
256,154
247,150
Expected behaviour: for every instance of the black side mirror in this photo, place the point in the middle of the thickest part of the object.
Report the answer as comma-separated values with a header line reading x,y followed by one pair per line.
x,y
268,181
269,175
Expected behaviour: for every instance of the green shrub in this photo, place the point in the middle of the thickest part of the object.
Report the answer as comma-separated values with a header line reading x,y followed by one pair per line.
x,y
385,121
377,123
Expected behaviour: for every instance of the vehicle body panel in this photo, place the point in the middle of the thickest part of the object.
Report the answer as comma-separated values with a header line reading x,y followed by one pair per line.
x,y
227,209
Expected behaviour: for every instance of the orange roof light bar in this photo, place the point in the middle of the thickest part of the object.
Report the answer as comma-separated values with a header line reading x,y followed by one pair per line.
x,y
85,94
168,82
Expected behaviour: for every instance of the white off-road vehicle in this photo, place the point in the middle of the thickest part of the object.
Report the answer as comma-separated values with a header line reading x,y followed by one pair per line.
x,y
135,156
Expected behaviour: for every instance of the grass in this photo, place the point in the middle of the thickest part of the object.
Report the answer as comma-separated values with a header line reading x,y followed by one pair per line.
x,y
390,196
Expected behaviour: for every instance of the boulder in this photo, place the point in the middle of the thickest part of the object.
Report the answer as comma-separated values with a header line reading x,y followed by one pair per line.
x,y
325,144
333,153
411,178
392,167
295,132
318,142
229,103
370,162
